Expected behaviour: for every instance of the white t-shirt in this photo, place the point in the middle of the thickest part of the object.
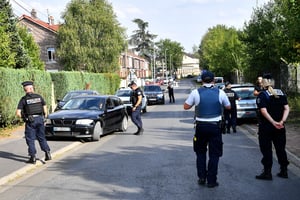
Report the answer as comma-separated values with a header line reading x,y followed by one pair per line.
x,y
194,99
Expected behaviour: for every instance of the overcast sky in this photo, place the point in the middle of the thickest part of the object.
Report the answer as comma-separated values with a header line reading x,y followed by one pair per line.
x,y
183,21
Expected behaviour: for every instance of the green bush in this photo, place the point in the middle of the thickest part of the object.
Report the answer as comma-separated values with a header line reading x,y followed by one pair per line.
x,y
51,86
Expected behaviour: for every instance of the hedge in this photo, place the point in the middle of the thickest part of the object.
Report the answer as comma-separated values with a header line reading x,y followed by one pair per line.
x,y
50,85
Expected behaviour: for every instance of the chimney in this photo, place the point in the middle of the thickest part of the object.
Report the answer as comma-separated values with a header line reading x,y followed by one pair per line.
x,y
33,13
51,20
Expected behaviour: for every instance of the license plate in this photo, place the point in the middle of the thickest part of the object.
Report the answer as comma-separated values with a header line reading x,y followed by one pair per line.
x,y
61,129
152,99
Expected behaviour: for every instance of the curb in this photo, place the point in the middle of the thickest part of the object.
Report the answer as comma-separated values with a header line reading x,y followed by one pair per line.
x,y
21,172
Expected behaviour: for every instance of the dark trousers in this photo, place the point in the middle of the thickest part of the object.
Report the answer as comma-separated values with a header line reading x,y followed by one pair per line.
x,y
230,118
268,134
136,117
208,135
171,97
36,130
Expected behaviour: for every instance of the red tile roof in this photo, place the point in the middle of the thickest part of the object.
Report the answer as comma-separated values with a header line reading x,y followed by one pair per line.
x,y
51,27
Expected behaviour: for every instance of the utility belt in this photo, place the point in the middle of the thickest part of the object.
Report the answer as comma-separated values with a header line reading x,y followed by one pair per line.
x,y
30,118
208,122
220,124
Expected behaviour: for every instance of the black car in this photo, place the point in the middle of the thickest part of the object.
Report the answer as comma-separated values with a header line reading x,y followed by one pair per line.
x,y
89,117
154,94
71,94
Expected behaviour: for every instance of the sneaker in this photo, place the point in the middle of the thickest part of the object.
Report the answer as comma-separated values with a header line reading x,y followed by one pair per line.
x,y
32,160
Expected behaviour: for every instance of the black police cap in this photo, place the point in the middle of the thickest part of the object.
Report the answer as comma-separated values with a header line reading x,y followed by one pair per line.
x,y
26,83
131,83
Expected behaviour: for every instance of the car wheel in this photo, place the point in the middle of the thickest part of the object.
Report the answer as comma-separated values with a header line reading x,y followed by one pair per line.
x,y
124,124
98,131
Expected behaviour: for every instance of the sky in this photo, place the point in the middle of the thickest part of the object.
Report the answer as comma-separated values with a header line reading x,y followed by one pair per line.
x,y
182,21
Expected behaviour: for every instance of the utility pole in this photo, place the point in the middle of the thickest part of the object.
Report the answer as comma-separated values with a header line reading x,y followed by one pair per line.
x,y
166,64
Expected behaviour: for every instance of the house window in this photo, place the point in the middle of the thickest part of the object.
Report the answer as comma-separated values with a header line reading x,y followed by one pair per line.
x,y
51,54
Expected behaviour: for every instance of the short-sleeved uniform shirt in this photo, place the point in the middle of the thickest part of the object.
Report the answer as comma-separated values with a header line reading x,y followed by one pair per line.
x,y
135,94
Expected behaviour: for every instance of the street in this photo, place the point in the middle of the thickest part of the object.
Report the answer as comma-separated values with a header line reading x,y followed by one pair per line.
x,y
158,165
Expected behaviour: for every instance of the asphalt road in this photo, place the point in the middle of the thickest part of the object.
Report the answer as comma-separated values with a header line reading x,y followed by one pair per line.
x,y
159,165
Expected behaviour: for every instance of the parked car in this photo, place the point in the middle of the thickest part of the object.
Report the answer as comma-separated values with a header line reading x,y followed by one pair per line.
x,y
72,94
246,107
124,94
154,94
89,117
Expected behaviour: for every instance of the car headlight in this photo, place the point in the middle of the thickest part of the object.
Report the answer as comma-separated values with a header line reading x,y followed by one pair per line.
x,y
84,121
160,95
48,121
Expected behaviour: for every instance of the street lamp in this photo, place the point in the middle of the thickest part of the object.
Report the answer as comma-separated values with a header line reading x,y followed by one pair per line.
x,y
166,64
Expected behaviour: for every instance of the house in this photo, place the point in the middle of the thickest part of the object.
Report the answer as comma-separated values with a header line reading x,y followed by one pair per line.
x,y
133,65
45,35
190,66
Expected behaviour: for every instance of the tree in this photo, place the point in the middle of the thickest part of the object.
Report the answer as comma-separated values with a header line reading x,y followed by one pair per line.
x,y
142,39
18,55
32,48
91,38
171,51
221,51
7,59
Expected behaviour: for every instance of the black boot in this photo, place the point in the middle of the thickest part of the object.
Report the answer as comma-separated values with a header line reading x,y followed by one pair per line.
x,y
32,160
48,156
140,131
283,172
265,175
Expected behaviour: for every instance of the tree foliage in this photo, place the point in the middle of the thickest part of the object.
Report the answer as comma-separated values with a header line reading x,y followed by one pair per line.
x,y
12,46
221,51
142,39
171,51
272,35
91,38
32,49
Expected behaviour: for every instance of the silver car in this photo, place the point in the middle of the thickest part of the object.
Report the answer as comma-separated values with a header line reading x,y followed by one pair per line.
x,y
124,94
246,107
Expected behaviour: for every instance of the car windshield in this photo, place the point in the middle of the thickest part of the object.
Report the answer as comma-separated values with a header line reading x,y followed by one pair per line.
x,y
123,93
84,103
245,93
152,88
71,95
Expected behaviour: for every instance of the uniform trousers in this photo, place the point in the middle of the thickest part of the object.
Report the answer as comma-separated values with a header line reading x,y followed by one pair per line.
x,y
208,135
136,117
36,130
268,134
230,118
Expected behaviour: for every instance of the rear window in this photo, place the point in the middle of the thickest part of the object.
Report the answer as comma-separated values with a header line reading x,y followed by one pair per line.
x,y
123,93
245,93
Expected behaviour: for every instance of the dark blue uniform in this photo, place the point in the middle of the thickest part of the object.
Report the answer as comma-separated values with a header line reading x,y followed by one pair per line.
x,y
31,106
136,114
268,134
231,115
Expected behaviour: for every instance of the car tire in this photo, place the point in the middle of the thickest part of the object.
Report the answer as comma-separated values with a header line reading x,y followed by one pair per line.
x,y
98,131
124,124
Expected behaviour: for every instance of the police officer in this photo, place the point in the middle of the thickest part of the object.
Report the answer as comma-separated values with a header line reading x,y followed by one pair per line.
x,y
258,87
136,100
209,102
274,110
171,92
231,115
32,108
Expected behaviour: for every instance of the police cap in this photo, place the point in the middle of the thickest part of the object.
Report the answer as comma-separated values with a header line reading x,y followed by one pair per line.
x,y
26,83
207,77
131,84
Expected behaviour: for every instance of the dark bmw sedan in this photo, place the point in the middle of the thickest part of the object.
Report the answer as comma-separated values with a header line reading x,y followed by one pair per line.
x,y
88,117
